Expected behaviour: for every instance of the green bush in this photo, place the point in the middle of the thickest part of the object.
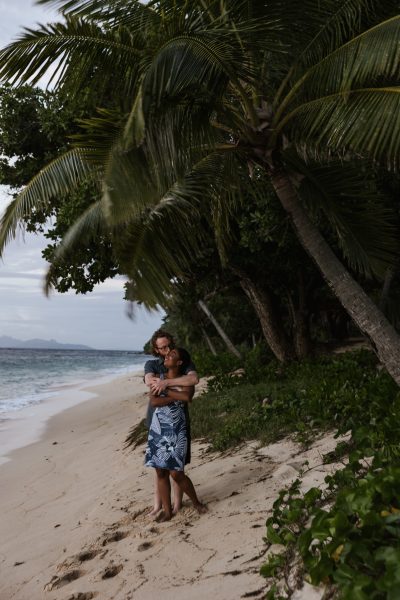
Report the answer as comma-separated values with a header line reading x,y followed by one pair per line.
x,y
346,391
210,364
355,543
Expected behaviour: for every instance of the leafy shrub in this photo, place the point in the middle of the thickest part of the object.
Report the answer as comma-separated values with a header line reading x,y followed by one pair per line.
x,y
355,544
210,364
346,391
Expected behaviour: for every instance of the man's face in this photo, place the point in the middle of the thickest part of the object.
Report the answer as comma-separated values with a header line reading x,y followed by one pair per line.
x,y
163,346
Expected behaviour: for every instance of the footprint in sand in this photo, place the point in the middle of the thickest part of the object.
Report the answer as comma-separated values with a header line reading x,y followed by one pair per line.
x,y
111,571
59,581
82,596
145,546
87,555
78,559
114,537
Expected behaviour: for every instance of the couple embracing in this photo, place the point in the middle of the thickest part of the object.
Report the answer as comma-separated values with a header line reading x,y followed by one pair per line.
x,y
171,378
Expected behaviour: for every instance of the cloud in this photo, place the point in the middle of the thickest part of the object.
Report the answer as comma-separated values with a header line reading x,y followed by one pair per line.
x,y
22,13
97,319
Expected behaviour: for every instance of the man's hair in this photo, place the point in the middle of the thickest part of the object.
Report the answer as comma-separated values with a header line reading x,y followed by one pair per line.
x,y
161,333
186,360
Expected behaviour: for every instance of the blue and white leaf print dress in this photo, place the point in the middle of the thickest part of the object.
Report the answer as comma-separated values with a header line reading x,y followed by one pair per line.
x,y
167,439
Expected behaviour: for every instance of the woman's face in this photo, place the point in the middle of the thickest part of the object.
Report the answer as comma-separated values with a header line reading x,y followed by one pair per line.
x,y
172,359
163,346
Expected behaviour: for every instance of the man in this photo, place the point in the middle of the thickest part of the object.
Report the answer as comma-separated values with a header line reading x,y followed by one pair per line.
x,y
162,342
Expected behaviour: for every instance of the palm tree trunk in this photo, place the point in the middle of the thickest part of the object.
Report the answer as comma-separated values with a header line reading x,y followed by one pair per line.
x,y
360,307
209,342
299,315
218,327
271,325
389,276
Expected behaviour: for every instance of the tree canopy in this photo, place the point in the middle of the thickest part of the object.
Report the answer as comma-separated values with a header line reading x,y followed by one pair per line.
x,y
213,103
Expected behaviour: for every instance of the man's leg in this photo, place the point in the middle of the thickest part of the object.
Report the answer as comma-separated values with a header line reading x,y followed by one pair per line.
x,y
187,487
178,496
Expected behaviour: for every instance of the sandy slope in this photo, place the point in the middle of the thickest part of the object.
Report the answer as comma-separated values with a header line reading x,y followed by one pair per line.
x,y
73,522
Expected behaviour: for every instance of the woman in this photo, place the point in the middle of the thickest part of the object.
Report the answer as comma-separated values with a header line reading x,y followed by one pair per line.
x,y
168,435
162,343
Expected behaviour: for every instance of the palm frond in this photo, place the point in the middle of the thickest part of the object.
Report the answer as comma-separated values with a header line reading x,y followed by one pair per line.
x,y
364,122
78,48
342,21
355,210
372,56
98,10
57,178
99,134
156,251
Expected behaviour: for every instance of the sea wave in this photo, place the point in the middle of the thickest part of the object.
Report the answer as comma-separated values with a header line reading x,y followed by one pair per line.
x,y
31,376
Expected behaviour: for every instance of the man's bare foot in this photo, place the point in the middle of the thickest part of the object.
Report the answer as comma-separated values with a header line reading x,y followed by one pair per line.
x,y
201,508
176,509
163,517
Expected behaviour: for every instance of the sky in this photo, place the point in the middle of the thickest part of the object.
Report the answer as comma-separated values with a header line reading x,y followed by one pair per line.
x,y
97,319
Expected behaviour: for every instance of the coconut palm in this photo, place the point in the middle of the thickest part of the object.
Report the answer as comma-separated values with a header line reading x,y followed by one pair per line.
x,y
214,93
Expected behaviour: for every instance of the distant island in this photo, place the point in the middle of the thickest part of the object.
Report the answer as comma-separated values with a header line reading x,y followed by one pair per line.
x,y
10,342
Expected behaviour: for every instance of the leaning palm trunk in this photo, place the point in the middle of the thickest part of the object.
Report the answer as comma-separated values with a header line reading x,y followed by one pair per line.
x,y
218,327
362,310
209,342
270,321
299,315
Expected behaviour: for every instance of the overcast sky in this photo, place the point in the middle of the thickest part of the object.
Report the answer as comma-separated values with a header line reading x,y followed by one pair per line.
x,y
97,319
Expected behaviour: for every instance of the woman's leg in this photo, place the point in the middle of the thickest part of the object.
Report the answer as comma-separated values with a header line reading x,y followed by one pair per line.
x,y
164,489
187,487
157,506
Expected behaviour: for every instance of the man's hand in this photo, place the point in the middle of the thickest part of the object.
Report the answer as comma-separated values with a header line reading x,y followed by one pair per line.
x,y
158,386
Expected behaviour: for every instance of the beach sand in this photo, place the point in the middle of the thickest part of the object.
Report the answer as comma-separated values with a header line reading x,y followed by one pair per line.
x,y
74,504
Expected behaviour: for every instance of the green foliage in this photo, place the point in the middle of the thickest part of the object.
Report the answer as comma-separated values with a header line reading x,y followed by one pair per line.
x,y
91,262
217,365
269,401
196,100
359,537
355,543
35,128
347,532
137,435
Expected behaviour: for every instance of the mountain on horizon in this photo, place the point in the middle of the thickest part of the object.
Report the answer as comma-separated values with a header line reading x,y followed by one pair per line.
x,y
36,343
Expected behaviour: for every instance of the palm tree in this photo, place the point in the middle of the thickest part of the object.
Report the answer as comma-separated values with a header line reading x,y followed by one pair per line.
x,y
215,92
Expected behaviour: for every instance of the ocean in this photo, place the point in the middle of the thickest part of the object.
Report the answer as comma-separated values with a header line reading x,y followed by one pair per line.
x,y
29,376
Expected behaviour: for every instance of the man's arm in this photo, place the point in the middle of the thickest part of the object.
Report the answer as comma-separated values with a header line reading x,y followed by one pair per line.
x,y
183,393
159,385
150,378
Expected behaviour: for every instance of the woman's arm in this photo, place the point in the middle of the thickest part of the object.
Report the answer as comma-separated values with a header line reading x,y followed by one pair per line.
x,y
159,386
182,394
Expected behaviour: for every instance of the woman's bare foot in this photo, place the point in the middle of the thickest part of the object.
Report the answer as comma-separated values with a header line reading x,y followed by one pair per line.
x,y
154,512
163,517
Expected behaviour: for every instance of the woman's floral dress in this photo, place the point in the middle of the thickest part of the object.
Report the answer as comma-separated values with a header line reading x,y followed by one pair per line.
x,y
167,440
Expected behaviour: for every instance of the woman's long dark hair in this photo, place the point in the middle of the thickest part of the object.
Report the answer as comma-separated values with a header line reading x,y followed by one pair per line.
x,y
184,356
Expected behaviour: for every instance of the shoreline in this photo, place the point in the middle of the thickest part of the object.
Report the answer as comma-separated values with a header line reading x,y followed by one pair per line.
x,y
27,425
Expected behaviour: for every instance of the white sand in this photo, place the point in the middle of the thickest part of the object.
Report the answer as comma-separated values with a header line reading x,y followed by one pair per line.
x,y
73,521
